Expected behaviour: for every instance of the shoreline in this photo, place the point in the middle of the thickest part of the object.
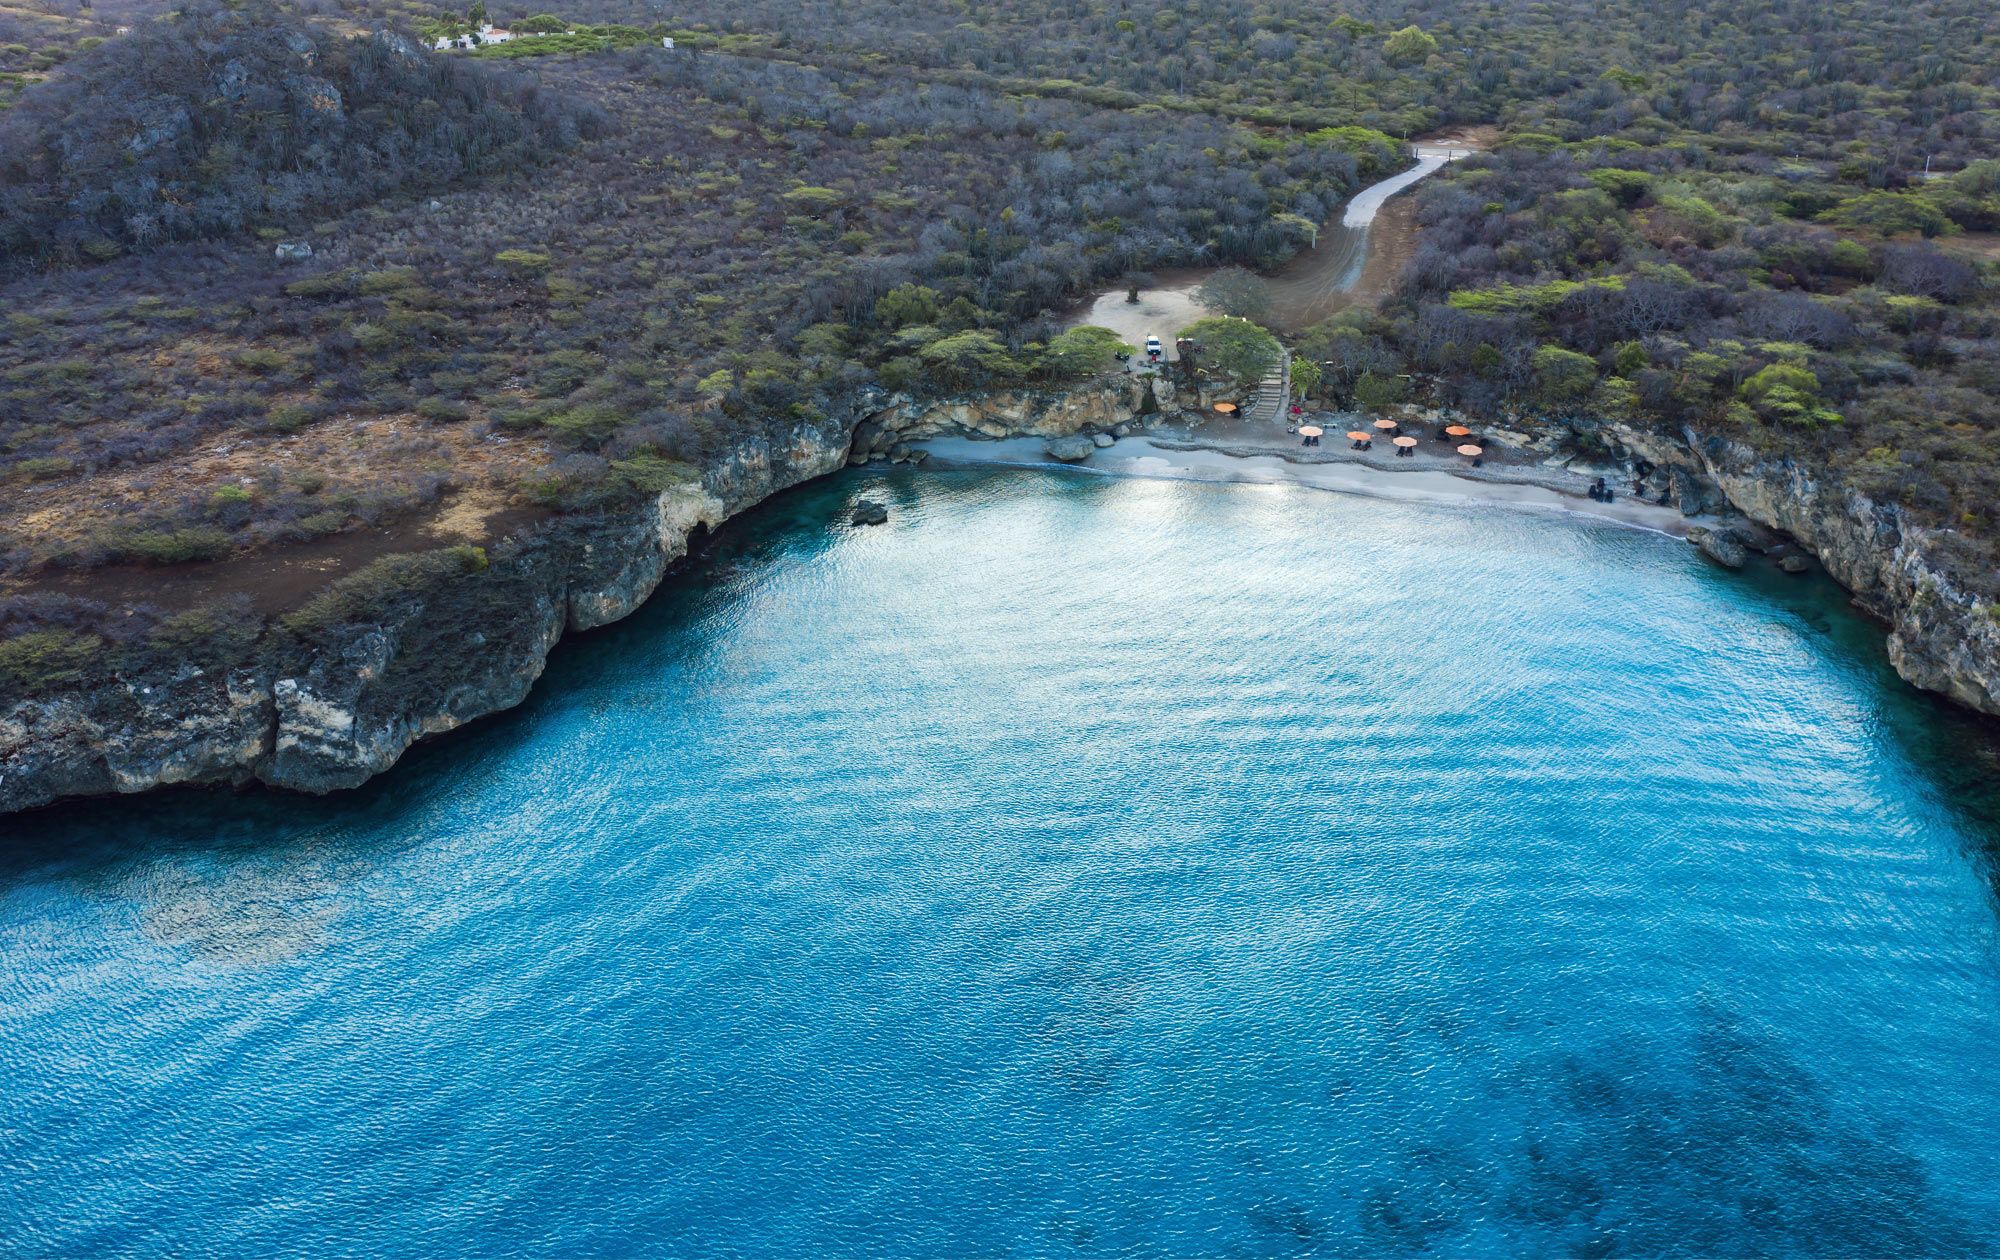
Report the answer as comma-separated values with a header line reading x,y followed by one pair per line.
x,y
1428,479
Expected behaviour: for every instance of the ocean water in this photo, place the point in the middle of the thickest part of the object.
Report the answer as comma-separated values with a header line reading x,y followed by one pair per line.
x,y
1071,867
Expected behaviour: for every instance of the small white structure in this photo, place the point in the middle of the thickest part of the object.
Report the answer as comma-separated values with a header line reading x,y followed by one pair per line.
x,y
667,42
488,34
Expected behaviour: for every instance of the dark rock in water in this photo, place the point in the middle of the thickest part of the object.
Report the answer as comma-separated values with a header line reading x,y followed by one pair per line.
x,y
1719,546
869,512
1069,450
917,455
1103,440
1795,563
1121,430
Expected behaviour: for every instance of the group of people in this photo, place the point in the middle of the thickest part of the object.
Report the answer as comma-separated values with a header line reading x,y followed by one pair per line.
x,y
1600,491
1310,439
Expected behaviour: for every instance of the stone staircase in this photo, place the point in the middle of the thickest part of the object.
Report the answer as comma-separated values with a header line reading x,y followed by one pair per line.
x,y
1274,392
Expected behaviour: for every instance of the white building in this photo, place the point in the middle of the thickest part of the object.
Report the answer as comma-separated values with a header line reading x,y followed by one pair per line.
x,y
488,34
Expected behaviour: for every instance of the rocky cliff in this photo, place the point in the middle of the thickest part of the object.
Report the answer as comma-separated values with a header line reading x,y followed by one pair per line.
x,y
1942,636
333,693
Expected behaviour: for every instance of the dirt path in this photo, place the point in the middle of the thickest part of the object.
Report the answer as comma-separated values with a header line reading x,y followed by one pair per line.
x,y
1360,270
1356,262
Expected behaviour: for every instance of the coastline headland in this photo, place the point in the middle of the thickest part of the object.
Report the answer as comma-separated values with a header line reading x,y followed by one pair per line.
x,y
332,695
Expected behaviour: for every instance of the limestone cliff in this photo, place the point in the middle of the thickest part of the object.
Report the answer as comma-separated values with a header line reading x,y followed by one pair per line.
x,y
1942,636
334,694
327,703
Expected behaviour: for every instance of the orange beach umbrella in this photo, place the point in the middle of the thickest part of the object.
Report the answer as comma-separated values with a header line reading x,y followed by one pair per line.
x,y
1470,449
1225,408
1359,436
1385,424
1310,430
1405,441
1457,430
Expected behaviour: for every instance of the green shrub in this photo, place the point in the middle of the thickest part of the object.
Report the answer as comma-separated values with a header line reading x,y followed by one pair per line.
x,y
168,545
327,284
41,468
387,280
42,660
442,409
1376,391
370,592
1625,187
263,361
523,262
290,417
584,426
1889,214
650,474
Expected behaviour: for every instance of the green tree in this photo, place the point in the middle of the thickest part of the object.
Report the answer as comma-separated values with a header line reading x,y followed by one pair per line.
x,y
1305,376
1889,214
1234,291
1563,376
1084,350
1408,47
1788,393
1237,347
969,357
1626,187
1378,391
907,304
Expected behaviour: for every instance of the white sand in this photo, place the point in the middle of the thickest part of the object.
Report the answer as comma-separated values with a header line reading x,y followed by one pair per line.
x,y
1140,457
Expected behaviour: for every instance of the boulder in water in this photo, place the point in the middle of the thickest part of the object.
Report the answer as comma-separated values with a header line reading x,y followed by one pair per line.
x,y
1102,440
1795,563
1070,450
1720,547
869,512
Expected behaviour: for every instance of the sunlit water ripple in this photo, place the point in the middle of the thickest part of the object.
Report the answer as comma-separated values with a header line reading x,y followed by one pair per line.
x,y
1070,867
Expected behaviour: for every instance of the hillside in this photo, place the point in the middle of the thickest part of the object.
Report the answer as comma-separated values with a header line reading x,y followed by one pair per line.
x,y
550,278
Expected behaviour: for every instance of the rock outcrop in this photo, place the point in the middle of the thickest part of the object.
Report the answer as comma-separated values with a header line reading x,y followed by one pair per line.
x,y
1942,636
1094,408
327,703
1720,546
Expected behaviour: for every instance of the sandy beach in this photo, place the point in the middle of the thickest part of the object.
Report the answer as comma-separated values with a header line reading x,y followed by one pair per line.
x,y
1426,478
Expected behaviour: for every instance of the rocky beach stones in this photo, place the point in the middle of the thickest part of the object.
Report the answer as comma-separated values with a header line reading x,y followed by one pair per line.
x,y
1070,450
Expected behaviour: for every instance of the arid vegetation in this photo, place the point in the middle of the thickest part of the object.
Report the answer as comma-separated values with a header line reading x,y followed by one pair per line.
x,y
553,273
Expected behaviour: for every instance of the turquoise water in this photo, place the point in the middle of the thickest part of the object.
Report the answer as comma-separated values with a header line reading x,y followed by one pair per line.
x,y
1071,867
